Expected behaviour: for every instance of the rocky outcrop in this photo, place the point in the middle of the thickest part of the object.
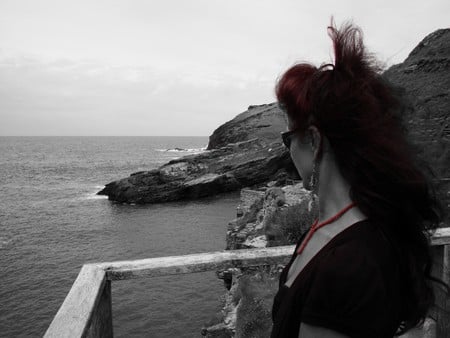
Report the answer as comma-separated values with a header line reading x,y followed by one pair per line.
x,y
247,151
257,224
425,79
265,217
243,152
264,122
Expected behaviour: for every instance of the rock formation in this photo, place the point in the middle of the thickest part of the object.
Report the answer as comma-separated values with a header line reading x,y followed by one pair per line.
x,y
247,150
264,122
425,79
248,301
243,152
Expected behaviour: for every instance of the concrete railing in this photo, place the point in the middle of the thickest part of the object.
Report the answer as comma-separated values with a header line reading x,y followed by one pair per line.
x,y
86,311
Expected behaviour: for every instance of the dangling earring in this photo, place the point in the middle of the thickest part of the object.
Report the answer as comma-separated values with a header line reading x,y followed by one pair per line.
x,y
313,179
312,185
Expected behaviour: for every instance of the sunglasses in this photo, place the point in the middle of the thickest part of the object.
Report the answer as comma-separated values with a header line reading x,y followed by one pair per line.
x,y
287,138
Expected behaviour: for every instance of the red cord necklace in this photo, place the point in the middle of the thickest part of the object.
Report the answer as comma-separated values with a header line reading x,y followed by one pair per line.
x,y
316,226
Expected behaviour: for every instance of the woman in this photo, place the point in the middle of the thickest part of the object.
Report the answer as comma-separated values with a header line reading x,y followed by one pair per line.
x,y
363,269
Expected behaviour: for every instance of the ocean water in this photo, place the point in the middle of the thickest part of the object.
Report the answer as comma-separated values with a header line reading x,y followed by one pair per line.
x,y
51,223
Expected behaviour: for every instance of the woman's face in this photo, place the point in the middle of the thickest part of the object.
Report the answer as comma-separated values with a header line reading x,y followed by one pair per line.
x,y
302,154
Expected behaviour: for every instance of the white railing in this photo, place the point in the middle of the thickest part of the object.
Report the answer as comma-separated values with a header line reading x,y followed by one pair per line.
x,y
86,311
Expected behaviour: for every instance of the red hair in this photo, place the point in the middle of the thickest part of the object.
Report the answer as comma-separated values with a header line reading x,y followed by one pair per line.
x,y
360,114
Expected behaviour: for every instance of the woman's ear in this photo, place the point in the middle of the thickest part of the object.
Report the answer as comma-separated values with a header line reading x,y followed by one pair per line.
x,y
316,139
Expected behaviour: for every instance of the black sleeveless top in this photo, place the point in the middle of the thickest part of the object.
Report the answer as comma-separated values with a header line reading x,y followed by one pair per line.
x,y
352,286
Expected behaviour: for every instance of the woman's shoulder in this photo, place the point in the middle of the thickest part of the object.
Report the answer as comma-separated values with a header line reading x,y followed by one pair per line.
x,y
352,283
367,235
364,246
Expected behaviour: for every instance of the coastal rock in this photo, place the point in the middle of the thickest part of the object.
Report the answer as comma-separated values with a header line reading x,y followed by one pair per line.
x,y
264,122
265,215
247,151
425,78
244,152
262,217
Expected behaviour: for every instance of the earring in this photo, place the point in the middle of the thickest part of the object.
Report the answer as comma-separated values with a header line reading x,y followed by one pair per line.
x,y
313,179
312,185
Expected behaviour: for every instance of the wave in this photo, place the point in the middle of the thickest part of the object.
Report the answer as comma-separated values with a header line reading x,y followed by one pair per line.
x,y
92,194
5,242
183,150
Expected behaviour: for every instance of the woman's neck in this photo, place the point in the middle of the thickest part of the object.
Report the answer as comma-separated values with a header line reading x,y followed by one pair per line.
x,y
333,190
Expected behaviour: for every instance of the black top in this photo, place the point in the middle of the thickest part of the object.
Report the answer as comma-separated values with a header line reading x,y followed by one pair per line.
x,y
352,285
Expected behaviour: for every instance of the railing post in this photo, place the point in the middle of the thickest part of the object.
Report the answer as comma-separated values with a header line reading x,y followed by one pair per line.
x,y
101,322
442,271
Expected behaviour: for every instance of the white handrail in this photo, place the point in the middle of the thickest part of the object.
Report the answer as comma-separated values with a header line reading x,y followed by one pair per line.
x,y
74,317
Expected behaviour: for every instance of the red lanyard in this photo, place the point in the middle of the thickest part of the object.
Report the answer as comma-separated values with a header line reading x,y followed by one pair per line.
x,y
316,226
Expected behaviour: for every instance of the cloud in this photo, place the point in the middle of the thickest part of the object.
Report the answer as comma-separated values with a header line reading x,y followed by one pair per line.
x,y
173,67
85,98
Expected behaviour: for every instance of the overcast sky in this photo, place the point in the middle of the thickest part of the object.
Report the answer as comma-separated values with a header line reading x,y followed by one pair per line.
x,y
174,67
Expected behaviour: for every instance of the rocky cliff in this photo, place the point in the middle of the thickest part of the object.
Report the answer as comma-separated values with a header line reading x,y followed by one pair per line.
x,y
425,79
246,151
264,122
269,216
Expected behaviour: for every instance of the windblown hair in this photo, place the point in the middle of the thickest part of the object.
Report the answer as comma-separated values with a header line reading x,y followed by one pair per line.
x,y
360,114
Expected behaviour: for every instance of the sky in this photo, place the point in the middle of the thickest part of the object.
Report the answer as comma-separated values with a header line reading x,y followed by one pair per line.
x,y
174,67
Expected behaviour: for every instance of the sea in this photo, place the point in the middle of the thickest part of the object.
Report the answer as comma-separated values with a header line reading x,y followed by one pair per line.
x,y
52,222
